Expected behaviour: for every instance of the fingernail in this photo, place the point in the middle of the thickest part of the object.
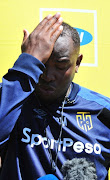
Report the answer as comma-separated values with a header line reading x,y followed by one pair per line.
x,y
49,16
60,28
60,19
57,15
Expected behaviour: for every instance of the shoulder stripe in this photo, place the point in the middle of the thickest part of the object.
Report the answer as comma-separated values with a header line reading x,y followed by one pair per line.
x,y
94,96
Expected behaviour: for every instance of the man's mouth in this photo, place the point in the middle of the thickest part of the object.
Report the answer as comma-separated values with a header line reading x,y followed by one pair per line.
x,y
46,89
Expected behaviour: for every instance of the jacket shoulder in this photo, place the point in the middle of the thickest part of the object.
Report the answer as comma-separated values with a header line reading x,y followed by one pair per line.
x,y
91,95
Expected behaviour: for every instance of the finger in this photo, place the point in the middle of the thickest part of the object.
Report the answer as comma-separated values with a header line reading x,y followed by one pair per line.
x,y
56,34
52,21
55,26
42,23
47,22
26,34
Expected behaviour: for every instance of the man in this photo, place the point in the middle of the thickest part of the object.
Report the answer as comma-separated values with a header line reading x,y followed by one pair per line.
x,y
45,119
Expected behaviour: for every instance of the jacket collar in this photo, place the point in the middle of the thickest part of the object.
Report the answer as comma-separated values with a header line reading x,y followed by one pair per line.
x,y
73,93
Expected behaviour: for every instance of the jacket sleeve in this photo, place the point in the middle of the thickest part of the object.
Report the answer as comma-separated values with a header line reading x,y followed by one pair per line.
x,y
17,85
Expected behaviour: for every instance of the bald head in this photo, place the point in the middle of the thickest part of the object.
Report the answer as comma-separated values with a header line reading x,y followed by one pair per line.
x,y
71,32
68,42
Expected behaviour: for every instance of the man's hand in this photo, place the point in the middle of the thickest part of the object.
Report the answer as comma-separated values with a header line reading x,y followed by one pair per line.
x,y
41,41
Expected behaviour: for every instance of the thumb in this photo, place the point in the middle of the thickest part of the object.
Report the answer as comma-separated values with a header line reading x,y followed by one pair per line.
x,y
26,34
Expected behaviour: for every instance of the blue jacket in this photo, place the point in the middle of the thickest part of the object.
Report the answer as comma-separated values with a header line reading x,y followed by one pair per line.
x,y
29,130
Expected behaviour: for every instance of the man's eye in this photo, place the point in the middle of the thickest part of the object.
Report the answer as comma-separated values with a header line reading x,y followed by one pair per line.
x,y
62,65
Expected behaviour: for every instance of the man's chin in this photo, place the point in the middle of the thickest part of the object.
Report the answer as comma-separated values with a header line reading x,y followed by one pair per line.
x,y
49,95
47,99
46,96
50,98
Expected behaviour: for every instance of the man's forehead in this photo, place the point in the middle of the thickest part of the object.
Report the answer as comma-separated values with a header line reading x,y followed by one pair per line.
x,y
63,47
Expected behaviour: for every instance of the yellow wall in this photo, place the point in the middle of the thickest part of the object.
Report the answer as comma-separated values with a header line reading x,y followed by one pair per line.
x,y
17,15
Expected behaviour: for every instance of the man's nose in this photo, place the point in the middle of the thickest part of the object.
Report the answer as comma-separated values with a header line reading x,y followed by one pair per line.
x,y
48,74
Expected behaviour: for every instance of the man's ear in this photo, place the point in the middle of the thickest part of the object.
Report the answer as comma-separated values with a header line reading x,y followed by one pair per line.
x,y
78,62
